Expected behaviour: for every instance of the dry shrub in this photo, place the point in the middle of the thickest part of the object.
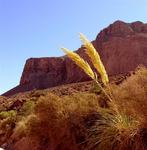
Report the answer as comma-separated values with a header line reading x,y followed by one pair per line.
x,y
7,124
58,123
131,96
27,108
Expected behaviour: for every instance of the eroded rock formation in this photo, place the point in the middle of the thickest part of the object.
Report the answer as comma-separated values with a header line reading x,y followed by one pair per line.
x,y
122,47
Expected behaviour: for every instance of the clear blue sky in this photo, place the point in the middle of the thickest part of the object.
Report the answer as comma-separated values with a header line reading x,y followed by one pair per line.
x,y
38,28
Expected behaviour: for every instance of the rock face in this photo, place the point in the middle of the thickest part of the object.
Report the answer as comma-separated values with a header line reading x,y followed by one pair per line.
x,y
122,47
44,72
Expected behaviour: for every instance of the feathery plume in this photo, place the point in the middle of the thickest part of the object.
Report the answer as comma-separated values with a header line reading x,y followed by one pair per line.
x,y
80,62
95,58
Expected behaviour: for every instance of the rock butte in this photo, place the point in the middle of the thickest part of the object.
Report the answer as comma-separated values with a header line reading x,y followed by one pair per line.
x,y
122,47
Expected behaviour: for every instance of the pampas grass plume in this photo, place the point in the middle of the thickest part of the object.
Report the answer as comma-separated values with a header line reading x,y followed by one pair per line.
x,y
80,62
95,58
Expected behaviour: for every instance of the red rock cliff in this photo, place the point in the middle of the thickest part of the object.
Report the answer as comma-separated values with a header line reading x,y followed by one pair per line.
x,y
122,47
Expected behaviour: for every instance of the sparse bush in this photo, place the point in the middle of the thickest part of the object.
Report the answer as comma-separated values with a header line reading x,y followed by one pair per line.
x,y
27,108
7,114
7,124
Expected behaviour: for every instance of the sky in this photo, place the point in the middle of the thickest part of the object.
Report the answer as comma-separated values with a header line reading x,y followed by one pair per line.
x,y
39,28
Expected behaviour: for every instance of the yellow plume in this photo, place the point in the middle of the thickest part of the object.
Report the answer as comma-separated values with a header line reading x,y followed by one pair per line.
x,y
95,59
80,62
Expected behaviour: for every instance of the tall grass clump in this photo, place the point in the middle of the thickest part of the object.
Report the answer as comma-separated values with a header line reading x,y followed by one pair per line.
x,y
115,132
